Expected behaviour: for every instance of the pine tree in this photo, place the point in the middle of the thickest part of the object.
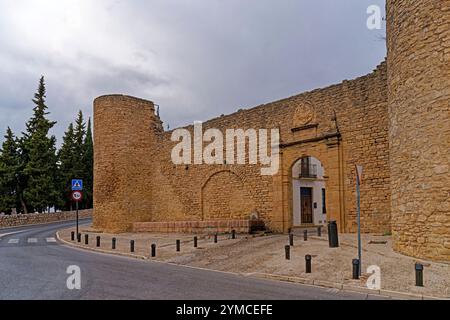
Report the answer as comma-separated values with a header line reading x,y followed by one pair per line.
x,y
88,161
39,156
9,166
66,162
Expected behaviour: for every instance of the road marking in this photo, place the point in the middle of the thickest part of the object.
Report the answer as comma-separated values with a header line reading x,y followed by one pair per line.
x,y
52,239
13,241
32,240
10,233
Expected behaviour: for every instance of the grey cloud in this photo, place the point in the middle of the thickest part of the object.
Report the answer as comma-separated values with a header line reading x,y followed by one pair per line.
x,y
196,59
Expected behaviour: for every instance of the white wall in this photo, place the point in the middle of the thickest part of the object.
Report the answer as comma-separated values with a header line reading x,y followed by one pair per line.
x,y
316,184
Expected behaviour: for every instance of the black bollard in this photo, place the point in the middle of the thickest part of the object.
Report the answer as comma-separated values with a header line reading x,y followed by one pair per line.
x,y
79,237
305,235
291,239
288,252
233,234
86,239
114,243
153,250
195,242
215,238
131,245
355,263
72,236
333,239
319,231
308,263
419,275
178,245
98,241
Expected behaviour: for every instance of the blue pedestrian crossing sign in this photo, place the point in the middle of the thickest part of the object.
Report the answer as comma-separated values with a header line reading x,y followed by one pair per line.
x,y
77,184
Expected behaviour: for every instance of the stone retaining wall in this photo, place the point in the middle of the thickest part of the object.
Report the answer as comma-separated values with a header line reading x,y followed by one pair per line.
x,y
38,218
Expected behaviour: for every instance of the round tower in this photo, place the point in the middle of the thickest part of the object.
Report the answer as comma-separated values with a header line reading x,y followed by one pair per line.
x,y
418,40
125,130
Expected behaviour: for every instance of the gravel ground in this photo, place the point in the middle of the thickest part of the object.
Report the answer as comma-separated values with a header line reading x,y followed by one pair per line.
x,y
265,253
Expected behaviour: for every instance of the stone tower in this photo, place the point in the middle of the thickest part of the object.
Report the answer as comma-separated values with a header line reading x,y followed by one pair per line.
x,y
418,40
125,134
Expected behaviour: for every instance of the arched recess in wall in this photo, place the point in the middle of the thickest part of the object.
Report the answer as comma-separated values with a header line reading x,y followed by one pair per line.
x,y
224,196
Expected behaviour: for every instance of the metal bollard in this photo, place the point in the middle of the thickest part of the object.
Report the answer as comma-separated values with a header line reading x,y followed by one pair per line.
x,y
79,237
86,239
131,245
333,238
178,245
355,263
305,235
215,238
419,275
72,236
319,231
233,234
98,241
153,250
288,252
308,263
114,243
195,242
291,239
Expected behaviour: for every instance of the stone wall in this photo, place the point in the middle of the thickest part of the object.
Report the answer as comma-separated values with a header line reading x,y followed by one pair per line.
x,y
16,220
419,111
340,125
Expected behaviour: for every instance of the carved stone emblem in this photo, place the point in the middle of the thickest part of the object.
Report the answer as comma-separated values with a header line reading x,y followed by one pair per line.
x,y
303,115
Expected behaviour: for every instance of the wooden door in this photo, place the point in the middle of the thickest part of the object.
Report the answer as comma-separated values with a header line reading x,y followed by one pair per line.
x,y
306,205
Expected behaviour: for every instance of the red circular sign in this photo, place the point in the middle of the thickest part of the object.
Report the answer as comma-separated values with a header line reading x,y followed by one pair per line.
x,y
77,196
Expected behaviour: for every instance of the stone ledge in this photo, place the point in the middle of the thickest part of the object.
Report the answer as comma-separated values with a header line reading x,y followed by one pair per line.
x,y
240,226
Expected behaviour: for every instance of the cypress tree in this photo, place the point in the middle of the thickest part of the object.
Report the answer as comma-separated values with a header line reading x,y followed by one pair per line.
x,y
79,134
88,161
39,154
66,162
9,166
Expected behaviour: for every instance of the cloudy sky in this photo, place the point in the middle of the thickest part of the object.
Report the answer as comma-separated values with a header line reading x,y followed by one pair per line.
x,y
197,59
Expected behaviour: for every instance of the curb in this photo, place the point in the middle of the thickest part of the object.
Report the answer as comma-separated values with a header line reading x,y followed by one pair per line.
x,y
72,244
349,288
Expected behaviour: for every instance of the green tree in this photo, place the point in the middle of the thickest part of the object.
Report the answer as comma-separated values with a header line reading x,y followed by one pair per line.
x,y
79,134
9,166
66,162
39,157
88,160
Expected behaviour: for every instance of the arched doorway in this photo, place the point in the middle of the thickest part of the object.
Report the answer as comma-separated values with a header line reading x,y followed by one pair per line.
x,y
309,192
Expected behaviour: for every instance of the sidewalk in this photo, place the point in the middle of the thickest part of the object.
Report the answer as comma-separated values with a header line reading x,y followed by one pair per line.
x,y
264,256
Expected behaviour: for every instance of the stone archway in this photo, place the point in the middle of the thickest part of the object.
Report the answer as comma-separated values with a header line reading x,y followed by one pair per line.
x,y
224,197
308,192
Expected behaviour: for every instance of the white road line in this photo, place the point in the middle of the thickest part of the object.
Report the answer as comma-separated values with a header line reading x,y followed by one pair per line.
x,y
52,239
32,240
13,241
10,233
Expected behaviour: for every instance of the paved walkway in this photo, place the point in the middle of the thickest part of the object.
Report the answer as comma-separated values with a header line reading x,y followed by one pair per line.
x,y
266,255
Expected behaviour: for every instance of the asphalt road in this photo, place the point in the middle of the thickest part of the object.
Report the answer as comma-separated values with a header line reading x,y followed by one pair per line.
x,y
33,266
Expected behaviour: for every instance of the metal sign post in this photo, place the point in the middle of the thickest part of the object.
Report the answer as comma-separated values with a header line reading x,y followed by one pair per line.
x,y
76,206
77,195
359,170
